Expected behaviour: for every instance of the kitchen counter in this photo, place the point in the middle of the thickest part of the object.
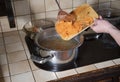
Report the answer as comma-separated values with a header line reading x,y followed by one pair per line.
x,y
16,65
108,74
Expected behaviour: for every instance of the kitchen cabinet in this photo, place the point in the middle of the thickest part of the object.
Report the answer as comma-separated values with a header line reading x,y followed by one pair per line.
x,y
109,74
106,80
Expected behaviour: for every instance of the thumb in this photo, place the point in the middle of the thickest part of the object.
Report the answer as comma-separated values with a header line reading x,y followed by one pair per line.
x,y
100,17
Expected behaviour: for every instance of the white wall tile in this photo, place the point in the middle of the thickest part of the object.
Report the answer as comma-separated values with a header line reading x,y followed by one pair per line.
x,y
68,10
43,76
66,4
86,68
95,6
1,42
3,59
104,5
101,1
54,14
11,39
51,14
22,20
22,35
92,1
66,73
6,34
5,24
2,50
28,53
77,3
104,64
1,33
19,67
37,6
14,47
33,66
38,16
114,0
115,4
0,29
4,71
22,7
16,56
5,79
24,77
36,9
51,5
117,61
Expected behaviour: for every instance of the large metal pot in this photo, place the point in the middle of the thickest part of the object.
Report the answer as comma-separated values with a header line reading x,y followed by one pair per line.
x,y
55,50
51,48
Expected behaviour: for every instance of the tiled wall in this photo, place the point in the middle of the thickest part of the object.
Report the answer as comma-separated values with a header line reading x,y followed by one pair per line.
x,y
27,10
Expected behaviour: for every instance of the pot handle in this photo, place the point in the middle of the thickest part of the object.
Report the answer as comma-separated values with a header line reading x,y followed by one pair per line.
x,y
29,33
41,60
92,36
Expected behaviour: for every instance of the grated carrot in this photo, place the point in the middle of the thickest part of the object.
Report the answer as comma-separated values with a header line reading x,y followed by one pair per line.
x,y
68,29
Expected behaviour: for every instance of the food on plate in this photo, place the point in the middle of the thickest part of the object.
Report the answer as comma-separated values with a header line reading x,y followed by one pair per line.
x,y
84,17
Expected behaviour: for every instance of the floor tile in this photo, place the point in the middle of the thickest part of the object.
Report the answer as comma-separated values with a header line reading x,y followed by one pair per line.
x,y
104,64
5,79
12,39
14,47
86,68
33,66
66,73
24,77
4,70
3,59
16,56
43,76
19,67
117,61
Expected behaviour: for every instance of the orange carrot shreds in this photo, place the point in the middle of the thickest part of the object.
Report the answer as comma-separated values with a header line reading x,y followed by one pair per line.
x,y
69,29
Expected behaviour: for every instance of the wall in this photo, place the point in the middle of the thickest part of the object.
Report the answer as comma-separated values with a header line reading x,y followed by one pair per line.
x,y
27,10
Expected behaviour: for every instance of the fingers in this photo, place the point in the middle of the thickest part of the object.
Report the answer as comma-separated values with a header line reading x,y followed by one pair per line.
x,y
100,17
95,20
95,23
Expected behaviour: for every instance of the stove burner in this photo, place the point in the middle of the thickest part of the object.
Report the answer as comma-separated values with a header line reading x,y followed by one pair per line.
x,y
92,51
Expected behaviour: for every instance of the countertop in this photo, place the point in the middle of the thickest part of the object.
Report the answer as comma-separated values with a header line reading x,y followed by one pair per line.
x,y
16,65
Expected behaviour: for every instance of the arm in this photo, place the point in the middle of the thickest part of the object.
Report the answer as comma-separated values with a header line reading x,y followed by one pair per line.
x,y
115,33
103,26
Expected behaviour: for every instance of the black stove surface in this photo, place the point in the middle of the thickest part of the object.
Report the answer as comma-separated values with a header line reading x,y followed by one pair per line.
x,y
90,52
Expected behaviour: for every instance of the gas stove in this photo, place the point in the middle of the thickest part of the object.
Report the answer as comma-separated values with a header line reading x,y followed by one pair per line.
x,y
93,50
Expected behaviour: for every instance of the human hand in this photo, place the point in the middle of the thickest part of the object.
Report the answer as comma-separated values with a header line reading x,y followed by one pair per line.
x,y
101,26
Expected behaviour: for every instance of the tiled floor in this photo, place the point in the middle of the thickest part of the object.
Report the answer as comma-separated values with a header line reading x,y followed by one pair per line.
x,y
16,65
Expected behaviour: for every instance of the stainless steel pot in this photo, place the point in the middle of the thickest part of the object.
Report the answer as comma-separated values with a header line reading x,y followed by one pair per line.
x,y
55,50
51,48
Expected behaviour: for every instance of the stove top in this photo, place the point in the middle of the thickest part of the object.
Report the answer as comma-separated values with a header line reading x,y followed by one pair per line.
x,y
93,50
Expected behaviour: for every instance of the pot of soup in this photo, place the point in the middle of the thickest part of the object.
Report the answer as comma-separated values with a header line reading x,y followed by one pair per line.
x,y
55,50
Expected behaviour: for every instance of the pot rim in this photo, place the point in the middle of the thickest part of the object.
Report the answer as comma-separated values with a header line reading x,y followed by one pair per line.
x,y
80,42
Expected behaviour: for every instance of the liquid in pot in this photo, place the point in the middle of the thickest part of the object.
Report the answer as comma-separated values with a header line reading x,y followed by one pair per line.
x,y
56,43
